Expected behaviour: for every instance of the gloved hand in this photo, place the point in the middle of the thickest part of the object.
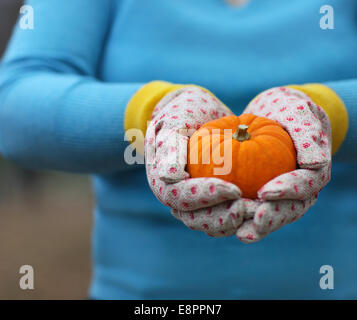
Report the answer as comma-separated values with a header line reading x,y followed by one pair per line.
x,y
287,197
208,204
215,206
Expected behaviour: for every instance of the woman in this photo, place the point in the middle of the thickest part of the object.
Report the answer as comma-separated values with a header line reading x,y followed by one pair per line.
x,y
64,91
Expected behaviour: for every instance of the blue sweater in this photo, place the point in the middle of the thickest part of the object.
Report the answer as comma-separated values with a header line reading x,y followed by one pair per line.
x,y
64,87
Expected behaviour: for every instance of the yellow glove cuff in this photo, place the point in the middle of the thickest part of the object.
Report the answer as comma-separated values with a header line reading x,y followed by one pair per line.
x,y
140,107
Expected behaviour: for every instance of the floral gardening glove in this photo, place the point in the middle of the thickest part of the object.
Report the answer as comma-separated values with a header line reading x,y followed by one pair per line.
x,y
214,206
208,204
287,197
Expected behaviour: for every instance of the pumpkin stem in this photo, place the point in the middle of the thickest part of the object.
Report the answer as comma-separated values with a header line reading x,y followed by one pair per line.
x,y
241,133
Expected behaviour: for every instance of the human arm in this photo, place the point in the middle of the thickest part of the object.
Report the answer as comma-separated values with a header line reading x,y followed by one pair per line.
x,y
55,113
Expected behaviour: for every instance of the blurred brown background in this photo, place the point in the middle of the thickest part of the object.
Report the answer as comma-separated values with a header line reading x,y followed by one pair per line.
x,y
45,220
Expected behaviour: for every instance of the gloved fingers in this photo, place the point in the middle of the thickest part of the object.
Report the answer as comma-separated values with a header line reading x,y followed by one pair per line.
x,y
177,116
250,207
171,156
319,129
325,133
269,217
171,100
296,113
272,215
247,233
221,220
196,193
187,194
299,184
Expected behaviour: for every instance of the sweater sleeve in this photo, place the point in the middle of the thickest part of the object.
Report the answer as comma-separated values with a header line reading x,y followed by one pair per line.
x,y
54,112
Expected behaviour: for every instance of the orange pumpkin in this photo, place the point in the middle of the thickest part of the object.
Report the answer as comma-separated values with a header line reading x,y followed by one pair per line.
x,y
260,150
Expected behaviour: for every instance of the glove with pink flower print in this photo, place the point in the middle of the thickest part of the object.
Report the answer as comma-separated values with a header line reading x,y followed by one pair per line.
x,y
287,197
207,204
216,207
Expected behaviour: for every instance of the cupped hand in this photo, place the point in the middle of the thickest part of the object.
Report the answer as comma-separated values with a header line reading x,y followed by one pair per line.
x,y
215,206
289,196
174,119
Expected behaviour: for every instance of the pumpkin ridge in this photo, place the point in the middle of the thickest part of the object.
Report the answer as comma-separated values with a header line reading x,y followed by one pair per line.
x,y
267,156
261,146
281,144
272,131
247,174
222,123
214,149
289,146
271,126
247,118
260,123
235,146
